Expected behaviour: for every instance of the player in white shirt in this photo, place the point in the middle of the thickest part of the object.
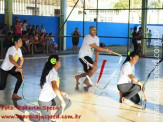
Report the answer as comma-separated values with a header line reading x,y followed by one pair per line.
x,y
90,43
50,94
128,84
10,66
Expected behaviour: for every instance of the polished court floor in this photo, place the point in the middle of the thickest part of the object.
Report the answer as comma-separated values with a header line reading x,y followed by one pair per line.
x,y
103,106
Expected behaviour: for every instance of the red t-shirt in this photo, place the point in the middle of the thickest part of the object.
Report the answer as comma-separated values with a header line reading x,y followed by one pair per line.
x,y
18,29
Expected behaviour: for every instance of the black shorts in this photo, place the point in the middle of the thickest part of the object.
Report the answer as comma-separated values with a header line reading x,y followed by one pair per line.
x,y
86,62
75,41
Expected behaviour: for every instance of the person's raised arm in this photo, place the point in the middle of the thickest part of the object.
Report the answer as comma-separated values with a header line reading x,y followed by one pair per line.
x,y
72,33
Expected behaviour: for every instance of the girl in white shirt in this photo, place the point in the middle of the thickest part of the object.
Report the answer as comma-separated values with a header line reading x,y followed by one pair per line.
x,y
128,84
10,66
50,94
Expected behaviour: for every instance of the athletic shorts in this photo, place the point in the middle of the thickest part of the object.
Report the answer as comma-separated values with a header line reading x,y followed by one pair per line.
x,y
86,62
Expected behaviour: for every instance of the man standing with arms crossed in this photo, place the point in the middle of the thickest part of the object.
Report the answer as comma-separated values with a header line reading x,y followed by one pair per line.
x,y
90,43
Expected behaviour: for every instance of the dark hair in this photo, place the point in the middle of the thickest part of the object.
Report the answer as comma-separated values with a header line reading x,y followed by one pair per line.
x,y
25,21
140,28
132,54
33,26
51,62
42,34
91,27
16,38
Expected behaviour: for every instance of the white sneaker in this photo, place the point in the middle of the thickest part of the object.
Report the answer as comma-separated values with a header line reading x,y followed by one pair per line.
x,y
128,102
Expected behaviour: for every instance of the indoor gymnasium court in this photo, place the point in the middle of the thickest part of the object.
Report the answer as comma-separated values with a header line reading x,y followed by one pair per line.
x,y
103,106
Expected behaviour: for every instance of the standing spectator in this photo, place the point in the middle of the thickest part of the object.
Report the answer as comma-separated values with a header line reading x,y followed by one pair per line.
x,y
149,38
18,28
139,38
16,20
134,34
43,29
75,39
131,36
24,28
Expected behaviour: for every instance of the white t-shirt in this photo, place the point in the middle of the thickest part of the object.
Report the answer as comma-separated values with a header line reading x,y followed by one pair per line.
x,y
7,65
126,70
24,28
85,49
43,30
47,93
